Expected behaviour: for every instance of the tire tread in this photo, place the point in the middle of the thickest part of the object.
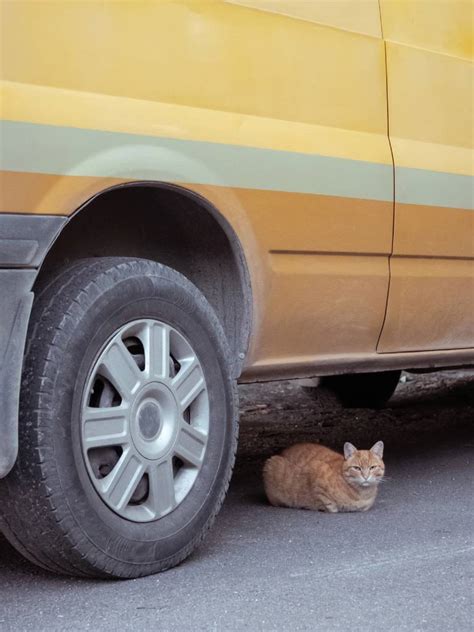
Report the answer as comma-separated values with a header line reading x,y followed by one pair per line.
x,y
63,547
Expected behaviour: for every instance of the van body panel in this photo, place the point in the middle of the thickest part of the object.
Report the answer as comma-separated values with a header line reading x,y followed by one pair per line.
x,y
282,133
430,81
295,155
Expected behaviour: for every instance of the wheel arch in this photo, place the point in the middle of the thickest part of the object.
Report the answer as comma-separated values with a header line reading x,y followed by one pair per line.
x,y
172,225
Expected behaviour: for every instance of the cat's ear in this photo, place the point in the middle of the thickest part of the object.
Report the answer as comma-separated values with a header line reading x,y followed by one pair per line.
x,y
349,450
377,449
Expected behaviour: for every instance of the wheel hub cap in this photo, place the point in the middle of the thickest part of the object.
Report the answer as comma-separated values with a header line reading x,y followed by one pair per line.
x,y
145,420
149,420
154,421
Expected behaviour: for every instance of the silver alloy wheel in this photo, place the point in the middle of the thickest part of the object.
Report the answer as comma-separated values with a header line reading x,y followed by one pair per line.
x,y
145,420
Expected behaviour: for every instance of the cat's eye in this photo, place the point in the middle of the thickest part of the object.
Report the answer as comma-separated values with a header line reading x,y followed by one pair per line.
x,y
372,467
356,467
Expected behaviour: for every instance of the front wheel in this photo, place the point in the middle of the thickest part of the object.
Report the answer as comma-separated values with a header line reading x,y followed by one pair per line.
x,y
128,423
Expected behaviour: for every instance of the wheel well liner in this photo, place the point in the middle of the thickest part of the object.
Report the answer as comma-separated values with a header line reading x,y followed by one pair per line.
x,y
172,225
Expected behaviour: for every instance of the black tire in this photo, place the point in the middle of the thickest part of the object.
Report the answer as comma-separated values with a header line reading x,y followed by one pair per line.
x,y
49,508
360,390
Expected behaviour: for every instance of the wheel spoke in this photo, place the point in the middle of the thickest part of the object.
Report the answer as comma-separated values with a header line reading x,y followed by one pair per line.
x,y
119,485
191,445
105,427
118,366
188,383
157,351
161,482
145,420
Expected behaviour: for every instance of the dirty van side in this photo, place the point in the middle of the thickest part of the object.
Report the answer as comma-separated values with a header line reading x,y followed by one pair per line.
x,y
196,194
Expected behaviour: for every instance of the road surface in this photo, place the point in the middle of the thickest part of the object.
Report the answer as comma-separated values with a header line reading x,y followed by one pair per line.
x,y
405,565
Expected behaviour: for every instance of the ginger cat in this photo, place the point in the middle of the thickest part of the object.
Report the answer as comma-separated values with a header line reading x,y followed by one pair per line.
x,y
311,476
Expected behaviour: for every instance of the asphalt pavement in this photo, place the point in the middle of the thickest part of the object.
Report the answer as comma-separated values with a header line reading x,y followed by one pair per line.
x,y
406,565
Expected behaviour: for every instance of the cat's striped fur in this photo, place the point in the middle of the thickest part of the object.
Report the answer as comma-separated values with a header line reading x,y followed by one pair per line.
x,y
311,476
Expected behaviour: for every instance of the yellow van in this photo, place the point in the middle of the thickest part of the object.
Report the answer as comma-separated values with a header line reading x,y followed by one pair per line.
x,y
199,192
